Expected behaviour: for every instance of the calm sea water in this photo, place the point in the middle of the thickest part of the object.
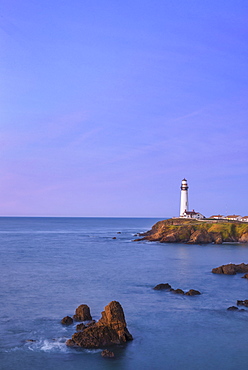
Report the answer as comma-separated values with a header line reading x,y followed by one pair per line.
x,y
49,266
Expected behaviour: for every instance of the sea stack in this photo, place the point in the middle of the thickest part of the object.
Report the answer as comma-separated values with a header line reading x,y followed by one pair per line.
x,y
109,330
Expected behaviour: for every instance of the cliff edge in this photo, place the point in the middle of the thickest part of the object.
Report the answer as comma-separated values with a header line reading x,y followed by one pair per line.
x,y
177,230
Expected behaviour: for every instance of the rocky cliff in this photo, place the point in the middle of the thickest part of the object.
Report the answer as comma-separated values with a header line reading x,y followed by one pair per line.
x,y
176,230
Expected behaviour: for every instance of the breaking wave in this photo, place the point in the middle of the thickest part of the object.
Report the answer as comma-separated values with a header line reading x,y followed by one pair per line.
x,y
48,345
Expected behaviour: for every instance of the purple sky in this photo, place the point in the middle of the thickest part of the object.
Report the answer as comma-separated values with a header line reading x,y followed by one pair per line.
x,y
107,105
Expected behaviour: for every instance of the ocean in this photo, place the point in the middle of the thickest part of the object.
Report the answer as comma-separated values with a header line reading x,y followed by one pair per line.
x,y
49,266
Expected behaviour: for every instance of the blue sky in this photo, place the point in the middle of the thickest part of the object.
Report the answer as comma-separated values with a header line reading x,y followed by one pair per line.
x,y
105,106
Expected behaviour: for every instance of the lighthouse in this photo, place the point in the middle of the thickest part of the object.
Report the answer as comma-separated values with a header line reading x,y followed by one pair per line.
x,y
184,197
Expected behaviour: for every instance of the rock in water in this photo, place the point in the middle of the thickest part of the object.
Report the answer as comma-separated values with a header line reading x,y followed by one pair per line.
x,y
231,269
193,292
162,286
67,320
71,343
177,291
167,286
80,327
82,313
110,329
232,308
90,323
242,267
107,353
243,303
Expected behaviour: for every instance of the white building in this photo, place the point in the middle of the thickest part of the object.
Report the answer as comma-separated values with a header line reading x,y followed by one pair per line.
x,y
233,218
192,214
184,197
244,219
184,204
217,217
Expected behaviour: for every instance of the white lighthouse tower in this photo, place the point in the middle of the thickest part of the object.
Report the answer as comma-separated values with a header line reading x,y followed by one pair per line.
x,y
184,197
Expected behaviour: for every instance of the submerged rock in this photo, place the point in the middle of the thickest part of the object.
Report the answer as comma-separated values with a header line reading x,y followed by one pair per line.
x,y
193,292
232,308
67,320
231,269
245,276
162,286
107,353
110,329
243,303
166,286
82,313
177,291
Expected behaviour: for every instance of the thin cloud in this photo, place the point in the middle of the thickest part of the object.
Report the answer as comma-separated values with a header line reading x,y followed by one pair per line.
x,y
192,114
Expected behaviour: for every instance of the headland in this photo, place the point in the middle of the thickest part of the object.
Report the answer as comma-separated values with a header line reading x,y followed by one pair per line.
x,y
192,231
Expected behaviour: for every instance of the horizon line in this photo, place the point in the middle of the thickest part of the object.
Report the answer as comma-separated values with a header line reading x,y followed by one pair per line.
x,y
27,216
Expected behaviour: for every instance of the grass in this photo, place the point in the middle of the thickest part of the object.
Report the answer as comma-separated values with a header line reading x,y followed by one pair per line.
x,y
185,227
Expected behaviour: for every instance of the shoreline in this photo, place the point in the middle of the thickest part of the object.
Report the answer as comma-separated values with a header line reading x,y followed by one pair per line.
x,y
190,231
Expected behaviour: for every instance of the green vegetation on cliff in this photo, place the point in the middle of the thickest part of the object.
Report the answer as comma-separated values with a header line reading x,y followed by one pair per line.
x,y
176,230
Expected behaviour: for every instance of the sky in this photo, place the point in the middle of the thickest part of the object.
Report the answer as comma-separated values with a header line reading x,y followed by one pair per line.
x,y
106,105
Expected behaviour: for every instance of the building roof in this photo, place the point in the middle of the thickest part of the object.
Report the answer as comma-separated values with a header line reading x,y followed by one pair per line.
x,y
245,217
191,212
233,216
216,216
